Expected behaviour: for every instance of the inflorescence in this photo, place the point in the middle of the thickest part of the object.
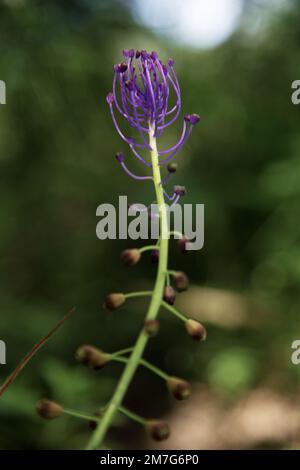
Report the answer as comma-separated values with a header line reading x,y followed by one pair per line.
x,y
143,88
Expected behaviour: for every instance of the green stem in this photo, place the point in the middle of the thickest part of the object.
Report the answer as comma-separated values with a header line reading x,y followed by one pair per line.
x,y
121,352
148,248
79,414
155,302
174,311
142,293
132,415
146,364
171,272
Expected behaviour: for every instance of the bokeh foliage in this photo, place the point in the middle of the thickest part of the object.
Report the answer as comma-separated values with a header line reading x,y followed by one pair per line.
x,y
57,147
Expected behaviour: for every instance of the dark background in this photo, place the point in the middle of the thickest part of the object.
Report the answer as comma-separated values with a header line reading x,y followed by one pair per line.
x,y
57,147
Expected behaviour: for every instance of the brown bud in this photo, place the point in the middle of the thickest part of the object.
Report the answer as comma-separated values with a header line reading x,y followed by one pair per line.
x,y
151,327
179,388
169,295
130,257
155,256
182,244
158,429
92,357
181,281
172,167
195,330
48,409
114,301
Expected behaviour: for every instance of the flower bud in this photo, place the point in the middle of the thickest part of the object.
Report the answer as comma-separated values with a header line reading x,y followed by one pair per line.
x,y
120,68
179,388
48,409
155,256
92,357
172,167
181,281
151,327
120,157
110,98
158,429
130,257
114,301
195,330
192,118
182,244
169,295
179,190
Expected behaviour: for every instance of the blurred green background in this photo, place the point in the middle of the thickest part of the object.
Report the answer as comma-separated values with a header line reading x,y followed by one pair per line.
x,y
57,147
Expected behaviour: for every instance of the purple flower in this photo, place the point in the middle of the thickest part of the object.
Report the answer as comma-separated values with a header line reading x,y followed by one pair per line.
x,y
141,93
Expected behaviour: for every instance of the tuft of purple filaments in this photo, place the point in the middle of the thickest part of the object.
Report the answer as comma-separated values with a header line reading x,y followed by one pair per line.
x,y
142,87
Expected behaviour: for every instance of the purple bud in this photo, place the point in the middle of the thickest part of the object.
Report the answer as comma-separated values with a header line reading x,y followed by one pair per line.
x,y
192,118
131,53
169,295
144,54
120,68
154,55
125,53
110,98
120,156
170,62
181,281
137,54
179,190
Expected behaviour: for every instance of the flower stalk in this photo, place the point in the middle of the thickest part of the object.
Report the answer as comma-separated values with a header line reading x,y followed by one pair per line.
x,y
157,294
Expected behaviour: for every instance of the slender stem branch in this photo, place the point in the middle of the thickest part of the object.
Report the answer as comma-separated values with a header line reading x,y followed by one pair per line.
x,y
148,248
174,311
144,363
171,272
121,352
176,234
155,302
79,414
132,415
145,293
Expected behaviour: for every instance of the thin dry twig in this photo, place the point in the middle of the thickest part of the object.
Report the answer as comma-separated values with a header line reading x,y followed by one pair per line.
x,y
12,377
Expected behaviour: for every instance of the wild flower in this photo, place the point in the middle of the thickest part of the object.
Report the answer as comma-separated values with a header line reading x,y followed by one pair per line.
x,y
141,95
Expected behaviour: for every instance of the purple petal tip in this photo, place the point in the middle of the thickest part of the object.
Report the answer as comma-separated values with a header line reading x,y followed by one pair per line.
x,y
192,118
110,98
120,156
